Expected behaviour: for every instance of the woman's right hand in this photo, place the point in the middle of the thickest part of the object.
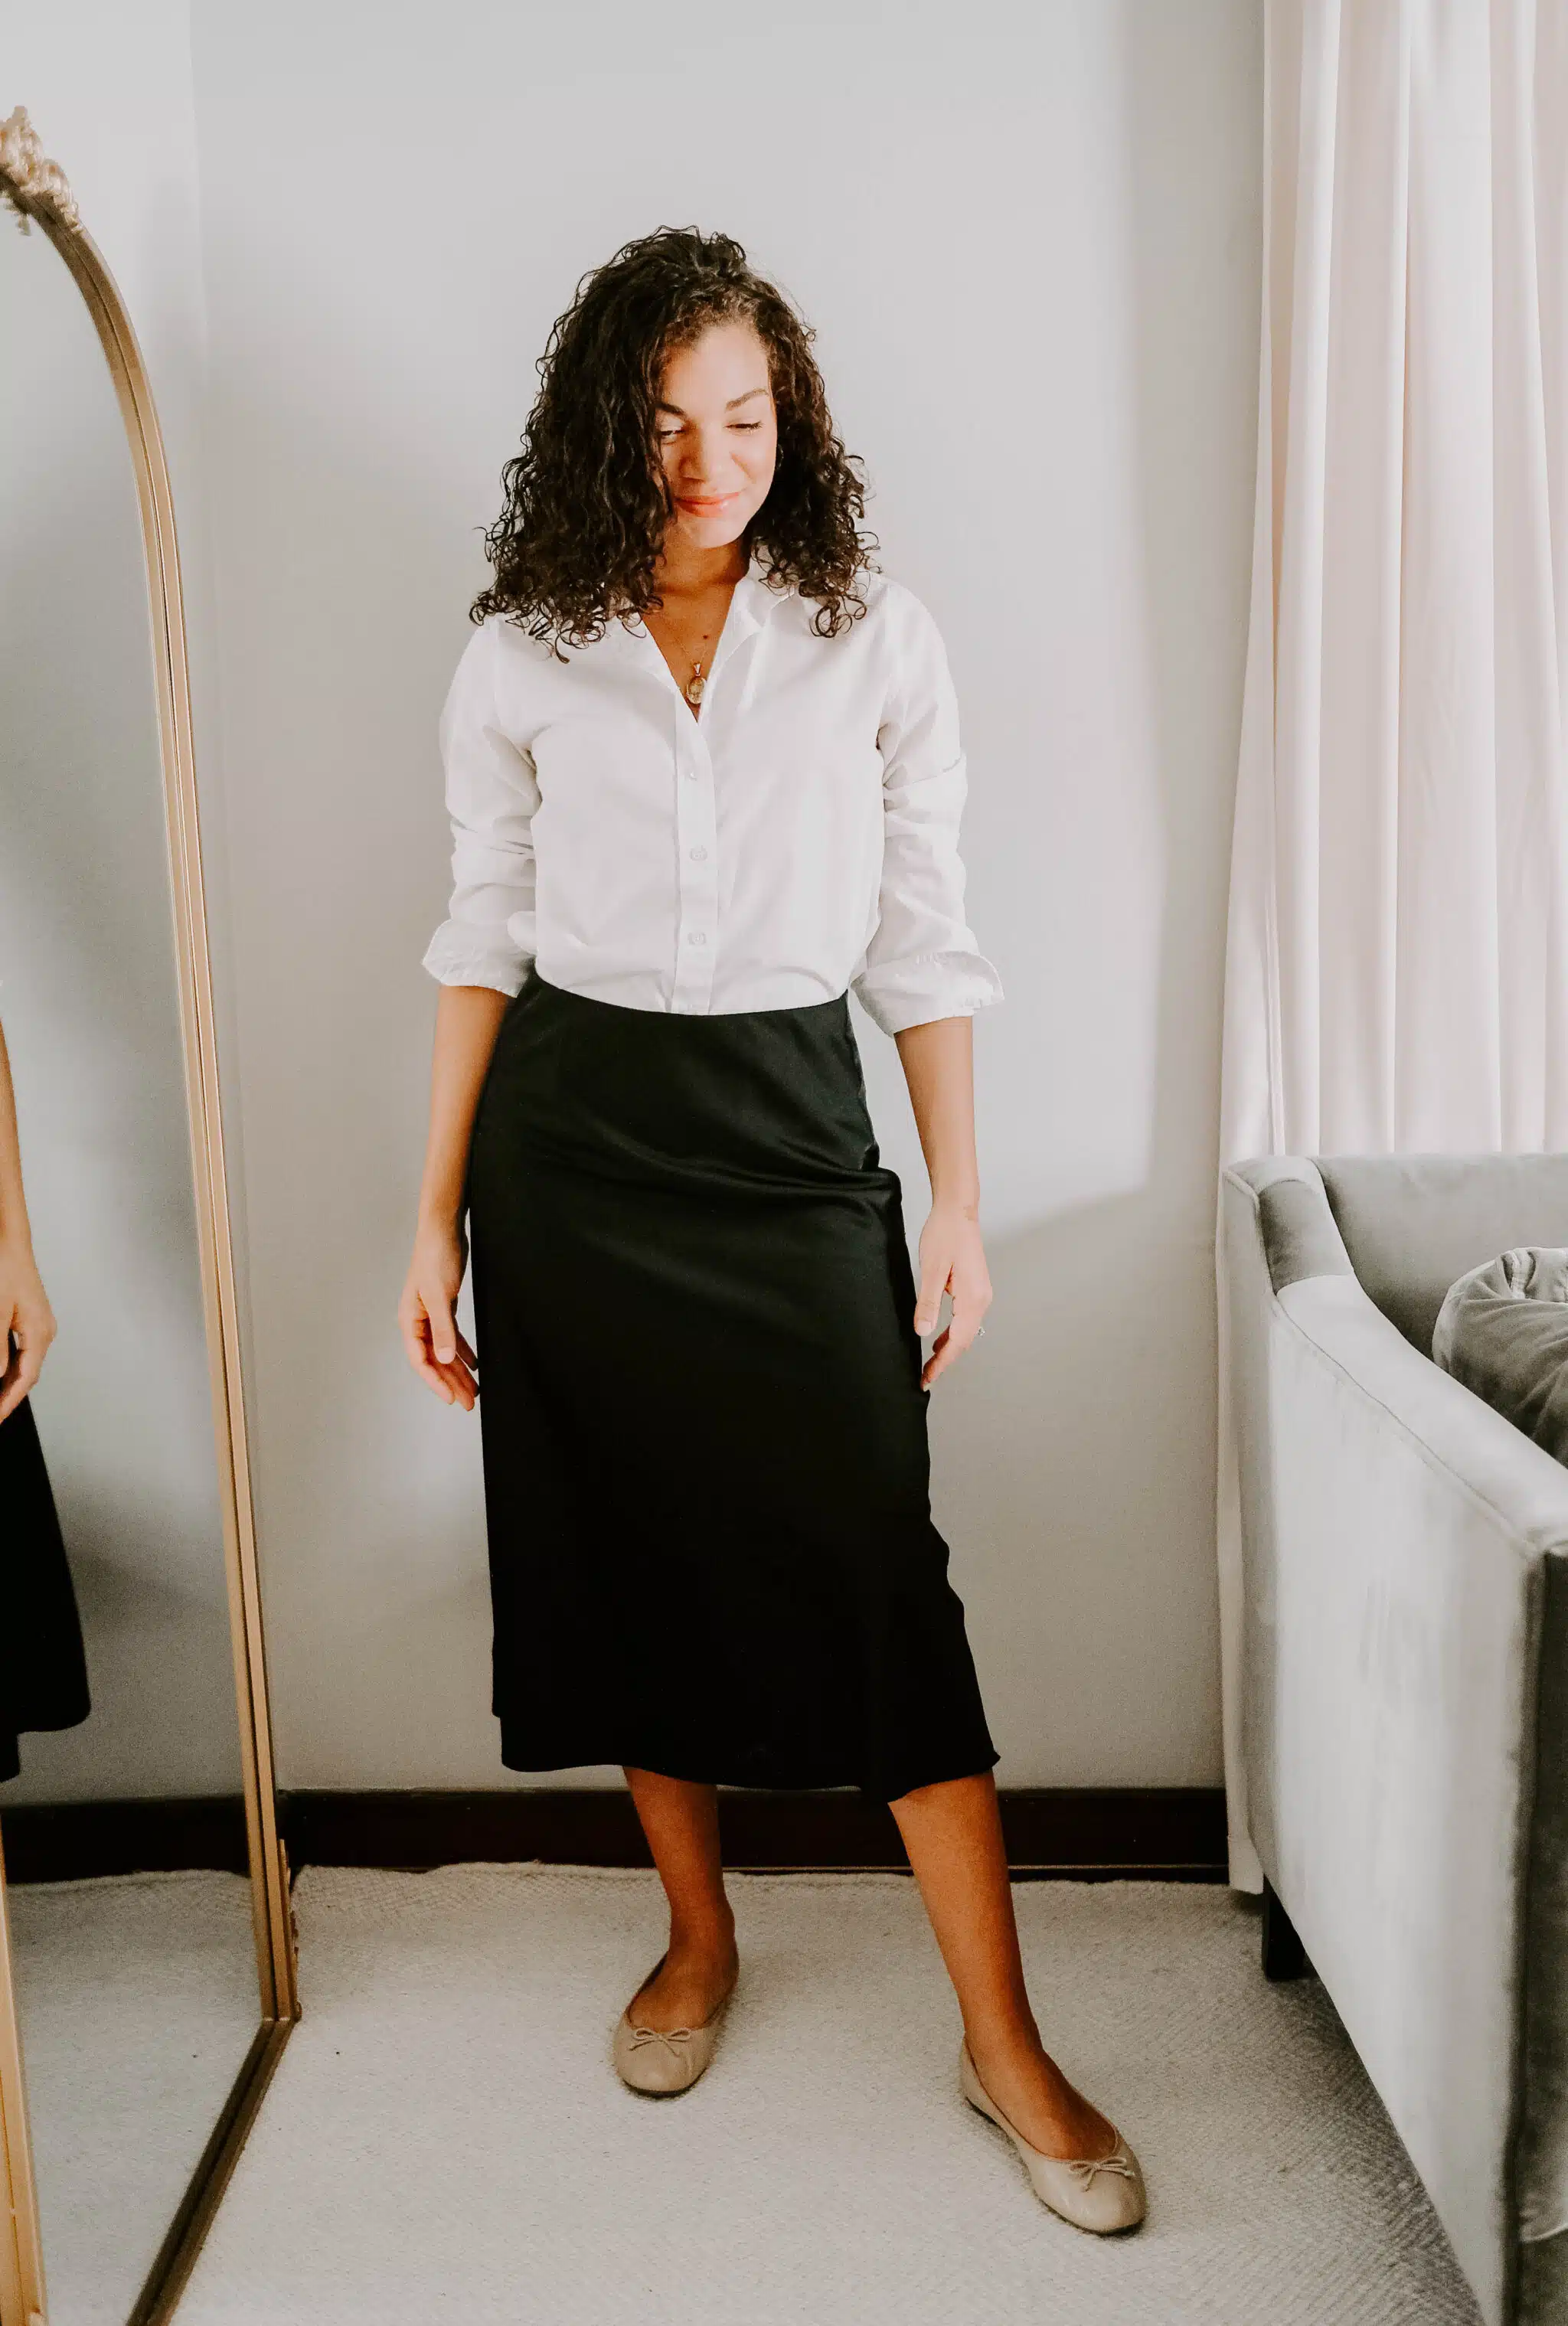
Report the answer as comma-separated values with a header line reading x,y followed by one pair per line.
x,y
27,1315
427,1314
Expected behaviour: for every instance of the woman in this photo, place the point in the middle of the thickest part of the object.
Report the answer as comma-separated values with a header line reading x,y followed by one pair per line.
x,y
703,773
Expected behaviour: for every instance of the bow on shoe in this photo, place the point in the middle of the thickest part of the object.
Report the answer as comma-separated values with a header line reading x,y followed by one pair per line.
x,y
673,2038
1085,2167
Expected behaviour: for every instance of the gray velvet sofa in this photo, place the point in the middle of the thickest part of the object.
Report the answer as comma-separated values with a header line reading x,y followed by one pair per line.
x,y
1405,1716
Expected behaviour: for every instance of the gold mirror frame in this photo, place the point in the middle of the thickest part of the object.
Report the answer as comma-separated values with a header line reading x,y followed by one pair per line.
x,y
36,190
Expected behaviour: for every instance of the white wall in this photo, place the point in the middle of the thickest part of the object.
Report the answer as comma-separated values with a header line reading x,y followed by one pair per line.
x,y
1029,240
110,94
87,949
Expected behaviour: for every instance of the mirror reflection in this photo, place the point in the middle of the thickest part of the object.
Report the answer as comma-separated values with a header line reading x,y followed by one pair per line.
x,y
120,1769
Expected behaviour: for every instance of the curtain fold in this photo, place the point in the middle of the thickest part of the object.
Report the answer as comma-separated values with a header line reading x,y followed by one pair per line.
x,y
1396,965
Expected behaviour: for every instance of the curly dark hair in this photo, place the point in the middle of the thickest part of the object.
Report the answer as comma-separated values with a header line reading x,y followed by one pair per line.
x,y
587,501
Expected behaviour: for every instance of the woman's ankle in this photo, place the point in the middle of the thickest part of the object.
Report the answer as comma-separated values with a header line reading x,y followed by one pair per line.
x,y
708,1940
1004,2041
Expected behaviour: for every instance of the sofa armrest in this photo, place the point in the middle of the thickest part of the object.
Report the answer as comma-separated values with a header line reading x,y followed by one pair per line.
x,y
1451,1679
1476,1452
1288,1211
1400,1540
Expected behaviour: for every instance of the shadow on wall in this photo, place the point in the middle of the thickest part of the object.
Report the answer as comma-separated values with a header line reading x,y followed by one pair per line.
x,y
1069,1450
1073,1453
1100,1447
159,1665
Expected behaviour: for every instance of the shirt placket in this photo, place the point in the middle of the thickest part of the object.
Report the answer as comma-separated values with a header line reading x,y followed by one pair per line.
x,y
697,868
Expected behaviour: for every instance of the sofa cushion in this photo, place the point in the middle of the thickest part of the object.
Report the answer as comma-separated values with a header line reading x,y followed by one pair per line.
x,y
1503,1331
1412,1223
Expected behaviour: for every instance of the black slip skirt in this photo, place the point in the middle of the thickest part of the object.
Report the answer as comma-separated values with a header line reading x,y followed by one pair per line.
x,y
705,1454
44,1680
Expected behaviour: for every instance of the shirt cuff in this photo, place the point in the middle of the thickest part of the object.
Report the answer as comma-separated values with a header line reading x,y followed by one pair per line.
x,y
455,956
897,994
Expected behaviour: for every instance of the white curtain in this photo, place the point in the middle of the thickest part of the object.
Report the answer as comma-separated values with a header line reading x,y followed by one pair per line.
x,y
1396,971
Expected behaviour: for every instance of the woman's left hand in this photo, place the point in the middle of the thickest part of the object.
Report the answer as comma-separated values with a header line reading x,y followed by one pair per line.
x,y
953,1260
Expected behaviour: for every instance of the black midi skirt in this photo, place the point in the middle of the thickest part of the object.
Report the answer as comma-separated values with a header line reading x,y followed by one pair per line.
x,y
43,1679
705,1456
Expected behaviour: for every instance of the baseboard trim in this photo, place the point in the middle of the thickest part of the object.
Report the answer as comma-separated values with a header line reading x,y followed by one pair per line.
x,y
1173,1833
76,1841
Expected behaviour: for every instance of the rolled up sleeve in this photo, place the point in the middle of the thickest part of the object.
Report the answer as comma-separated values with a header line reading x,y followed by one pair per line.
x,y
489,933
923,962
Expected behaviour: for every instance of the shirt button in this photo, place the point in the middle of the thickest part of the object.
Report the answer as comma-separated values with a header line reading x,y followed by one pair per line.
x,y
697,854
698,937
690,774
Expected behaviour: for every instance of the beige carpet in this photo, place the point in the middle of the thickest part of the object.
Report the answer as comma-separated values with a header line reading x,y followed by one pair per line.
x,y
445,2139
138,2001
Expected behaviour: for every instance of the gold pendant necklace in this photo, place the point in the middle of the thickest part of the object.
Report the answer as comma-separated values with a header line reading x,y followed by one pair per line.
x,y
695,685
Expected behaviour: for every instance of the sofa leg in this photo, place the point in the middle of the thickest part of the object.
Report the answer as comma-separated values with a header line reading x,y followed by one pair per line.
x,y
1284,1956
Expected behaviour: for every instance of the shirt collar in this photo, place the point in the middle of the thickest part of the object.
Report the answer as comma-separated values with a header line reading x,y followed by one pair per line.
x,y
753,600
752,603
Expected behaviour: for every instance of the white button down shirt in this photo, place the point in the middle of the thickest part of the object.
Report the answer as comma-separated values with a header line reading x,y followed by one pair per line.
x,y
796,840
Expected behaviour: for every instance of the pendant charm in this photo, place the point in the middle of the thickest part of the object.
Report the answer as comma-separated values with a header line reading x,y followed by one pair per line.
x,y
695,683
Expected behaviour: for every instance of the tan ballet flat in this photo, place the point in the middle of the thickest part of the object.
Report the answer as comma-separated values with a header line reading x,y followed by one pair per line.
x,y
1102,2193
664,2061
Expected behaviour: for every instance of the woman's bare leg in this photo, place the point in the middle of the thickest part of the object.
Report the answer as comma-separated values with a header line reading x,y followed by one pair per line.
x,y
953,1834
681,1824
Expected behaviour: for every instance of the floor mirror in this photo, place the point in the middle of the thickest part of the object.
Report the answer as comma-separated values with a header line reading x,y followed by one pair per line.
x,y
146,1963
